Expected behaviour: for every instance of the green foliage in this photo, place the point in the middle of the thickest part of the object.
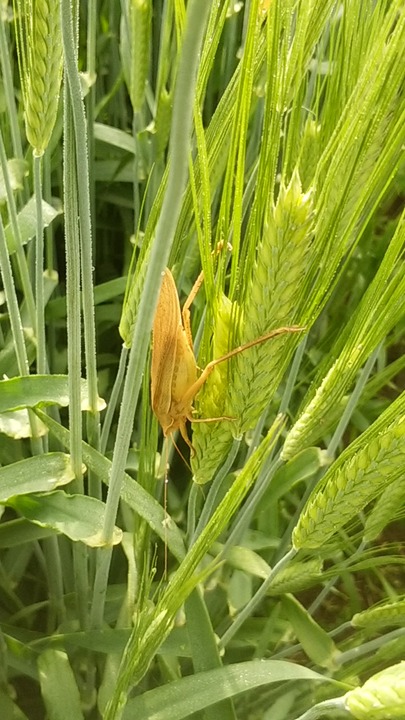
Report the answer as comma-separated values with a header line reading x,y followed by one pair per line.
x,y
381,696
262,142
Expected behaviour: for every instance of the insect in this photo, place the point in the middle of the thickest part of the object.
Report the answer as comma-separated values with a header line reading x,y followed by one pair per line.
x,y
174,374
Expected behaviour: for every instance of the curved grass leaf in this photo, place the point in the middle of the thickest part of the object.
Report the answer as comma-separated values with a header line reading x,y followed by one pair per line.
x,y
27,222
132,493
39,390
76,516
41,473
181,698
58,686
17,170
16,424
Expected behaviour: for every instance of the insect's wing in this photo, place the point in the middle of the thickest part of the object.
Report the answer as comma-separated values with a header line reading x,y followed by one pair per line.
x,y
165,328
184,375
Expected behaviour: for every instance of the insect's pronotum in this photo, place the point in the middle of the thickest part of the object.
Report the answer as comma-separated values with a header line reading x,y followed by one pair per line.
x,y
174,373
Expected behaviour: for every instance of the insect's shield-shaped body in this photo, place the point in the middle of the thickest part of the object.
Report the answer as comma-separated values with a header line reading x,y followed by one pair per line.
x,y
174,369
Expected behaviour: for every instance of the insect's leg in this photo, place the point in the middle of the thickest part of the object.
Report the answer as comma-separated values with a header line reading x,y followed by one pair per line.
x,y
252,343
194,290
184,435
220,418
186,308
193,390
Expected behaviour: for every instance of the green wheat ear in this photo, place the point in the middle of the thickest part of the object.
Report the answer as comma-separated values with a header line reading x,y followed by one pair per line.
x,y
388,507
246,384
296,577
271,302
213,403
140,32
351,483
132,298
382,615
39,44
381,697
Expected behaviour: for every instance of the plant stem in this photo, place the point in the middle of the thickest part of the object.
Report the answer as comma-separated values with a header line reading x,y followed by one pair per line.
x,y
39,269
197,14
256,599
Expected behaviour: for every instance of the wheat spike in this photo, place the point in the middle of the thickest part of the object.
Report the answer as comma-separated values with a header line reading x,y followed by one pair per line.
x,y
328,395
132,298
380,616
350,484
208,452
381,697
386,509
297,576
242,388
271,301
40,59
140,15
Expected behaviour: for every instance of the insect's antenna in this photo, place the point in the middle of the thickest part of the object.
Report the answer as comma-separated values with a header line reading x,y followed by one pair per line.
x,y
169,438
180,453
165,486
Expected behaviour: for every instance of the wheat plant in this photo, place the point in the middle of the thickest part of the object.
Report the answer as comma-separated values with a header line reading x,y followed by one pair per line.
x,y
256,572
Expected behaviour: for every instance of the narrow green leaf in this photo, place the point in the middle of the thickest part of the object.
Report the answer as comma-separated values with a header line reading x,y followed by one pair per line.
x,y
114,137
27,222
103,293
38,391
17,170
243,558
132,493
204,649
317,644
9,710
41,473
8,358
21,531
77,516
16,424
22,657
181,698
301,468
58,686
